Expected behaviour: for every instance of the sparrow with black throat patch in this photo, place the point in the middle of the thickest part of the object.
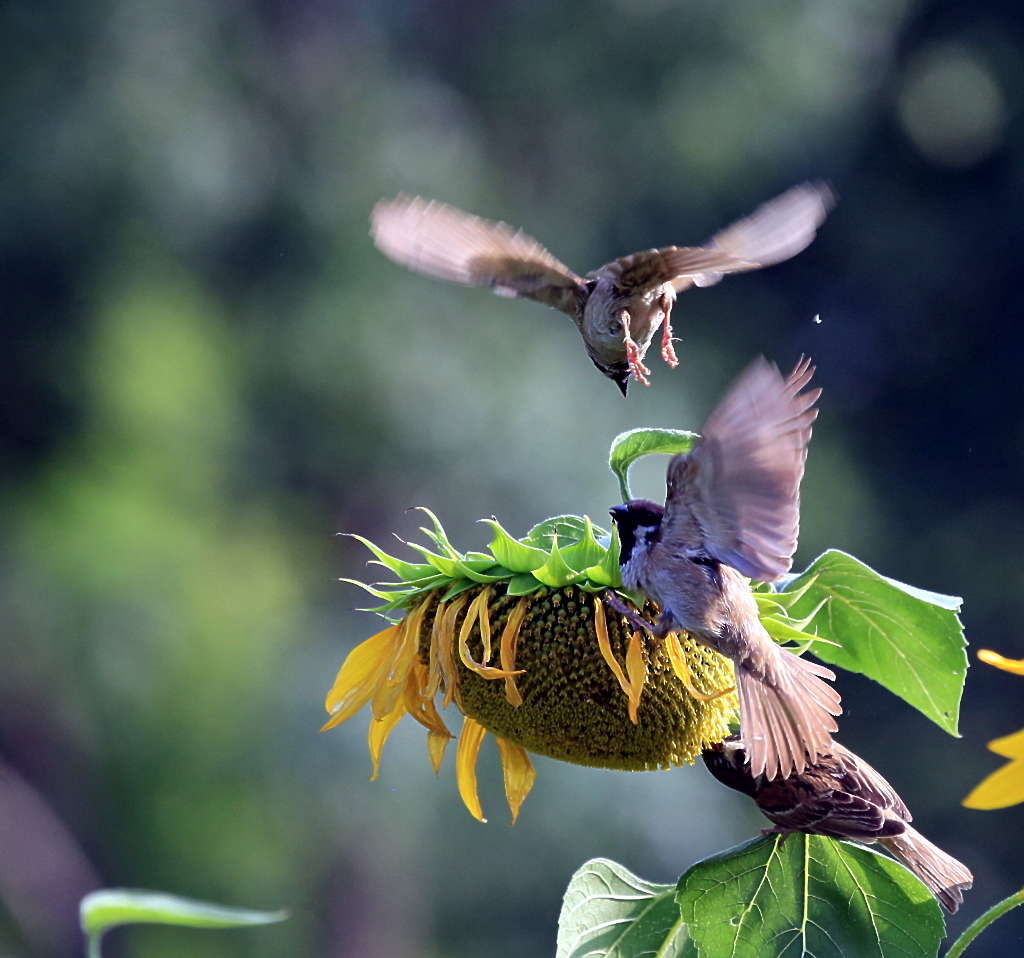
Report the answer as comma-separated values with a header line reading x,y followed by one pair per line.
x,y
732,513
617,308
841,796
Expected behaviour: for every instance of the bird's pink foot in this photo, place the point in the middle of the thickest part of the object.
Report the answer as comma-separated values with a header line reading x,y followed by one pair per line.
x,y
635,619
784,833
633,357
667,352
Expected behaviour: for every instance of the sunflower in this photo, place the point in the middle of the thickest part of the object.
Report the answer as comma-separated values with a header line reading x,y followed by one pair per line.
x,y
519,641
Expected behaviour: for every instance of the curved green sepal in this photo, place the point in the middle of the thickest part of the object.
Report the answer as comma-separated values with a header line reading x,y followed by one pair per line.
x,y
511,553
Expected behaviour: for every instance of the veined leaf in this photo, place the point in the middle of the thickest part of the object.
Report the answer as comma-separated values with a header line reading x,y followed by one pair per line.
x,y
629,446
808,896
906,639
610,913
569,529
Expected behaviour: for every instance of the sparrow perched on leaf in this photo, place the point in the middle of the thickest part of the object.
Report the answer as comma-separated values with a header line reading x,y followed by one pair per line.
x,y
732,511
841,796
617,308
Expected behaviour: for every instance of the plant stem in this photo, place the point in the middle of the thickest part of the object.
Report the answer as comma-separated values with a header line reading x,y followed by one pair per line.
x,y
93,945
977,926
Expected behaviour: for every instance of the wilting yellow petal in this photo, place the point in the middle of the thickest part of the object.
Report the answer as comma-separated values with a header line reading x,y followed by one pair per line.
x,y
1004,787
470,740
485,623
393,685
636,669
361,673
1001,662
436,744
604,644
677,657
507,650
1009,746
519,774
420,706
446,649
380,729
434,656
474,614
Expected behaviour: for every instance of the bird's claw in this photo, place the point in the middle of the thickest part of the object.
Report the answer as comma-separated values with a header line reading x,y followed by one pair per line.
x,y
668,354
635,619
633,355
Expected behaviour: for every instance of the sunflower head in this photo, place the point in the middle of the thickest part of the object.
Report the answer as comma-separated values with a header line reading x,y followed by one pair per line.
x,y
520,641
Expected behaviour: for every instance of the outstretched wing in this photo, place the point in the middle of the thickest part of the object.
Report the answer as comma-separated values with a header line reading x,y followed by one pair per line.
x,y
774,232
442,241
740,484
649,268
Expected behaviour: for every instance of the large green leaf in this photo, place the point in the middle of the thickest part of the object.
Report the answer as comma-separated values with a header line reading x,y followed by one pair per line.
x,y
610,913
909,640
629,446
808,896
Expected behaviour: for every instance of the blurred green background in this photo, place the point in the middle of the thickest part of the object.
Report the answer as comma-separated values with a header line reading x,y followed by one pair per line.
x,y
209,371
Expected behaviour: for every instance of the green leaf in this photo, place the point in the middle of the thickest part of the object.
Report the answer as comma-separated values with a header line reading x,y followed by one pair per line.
x,y
569,530
102,910
584,553
629,446
808,896
912,645
511,553
610,913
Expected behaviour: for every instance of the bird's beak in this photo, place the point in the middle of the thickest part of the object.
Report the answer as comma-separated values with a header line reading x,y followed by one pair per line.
x,y
617,512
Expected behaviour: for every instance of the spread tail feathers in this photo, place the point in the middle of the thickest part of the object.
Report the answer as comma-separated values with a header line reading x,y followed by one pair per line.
x,y
946,878
786,712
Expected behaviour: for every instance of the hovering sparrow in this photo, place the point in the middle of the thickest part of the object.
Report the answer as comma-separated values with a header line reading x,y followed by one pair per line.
x,y
617,308
841,796
732,510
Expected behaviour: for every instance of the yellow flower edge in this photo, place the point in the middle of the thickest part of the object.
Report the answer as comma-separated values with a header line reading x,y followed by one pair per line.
x,y
553,672
1005,786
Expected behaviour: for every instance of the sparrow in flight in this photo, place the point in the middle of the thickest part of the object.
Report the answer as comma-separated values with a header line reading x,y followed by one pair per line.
x,y
841,796
617,308
732,513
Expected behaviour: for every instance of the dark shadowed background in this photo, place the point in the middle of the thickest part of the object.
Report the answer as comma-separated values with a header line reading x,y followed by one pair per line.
x,y
208,371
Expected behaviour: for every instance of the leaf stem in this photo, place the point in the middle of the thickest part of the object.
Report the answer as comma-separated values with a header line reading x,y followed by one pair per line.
x,y
977,926
92,942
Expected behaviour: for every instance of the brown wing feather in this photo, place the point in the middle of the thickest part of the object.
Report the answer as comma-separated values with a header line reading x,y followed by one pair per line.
x,y
649,268
741,482
444,242
774,232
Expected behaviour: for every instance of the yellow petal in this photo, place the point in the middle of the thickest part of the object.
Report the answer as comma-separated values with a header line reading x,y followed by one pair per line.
x,y
603,643
636,668
1009,746
420,706
474,614
519,774
485,623
446,648
470,740
507,650
436,744
681,668
1001,662
380,729
360,674
1004,787
393,686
